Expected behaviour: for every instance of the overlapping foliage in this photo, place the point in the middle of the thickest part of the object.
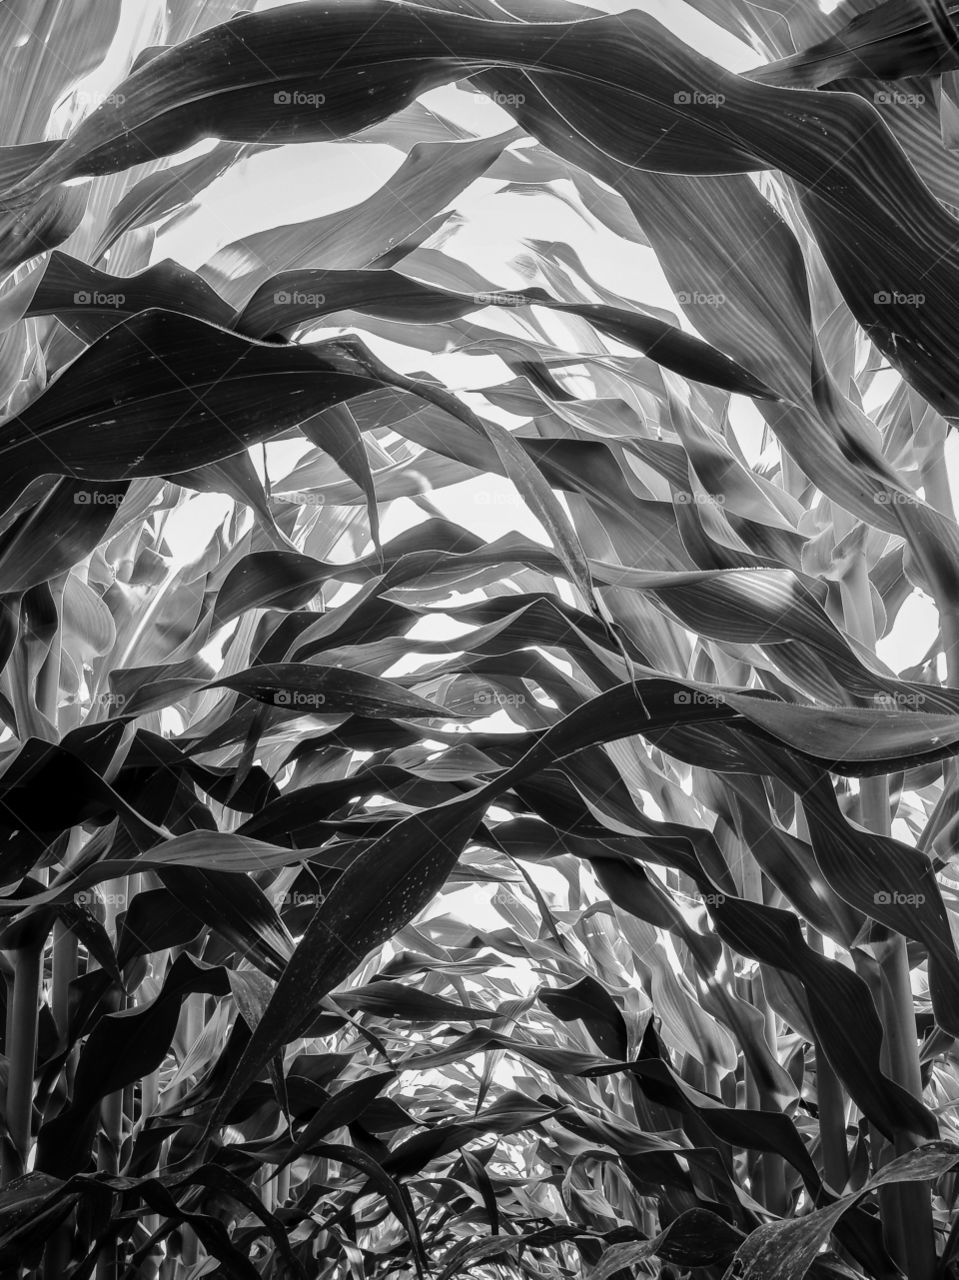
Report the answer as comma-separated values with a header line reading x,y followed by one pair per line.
x,y
251,1028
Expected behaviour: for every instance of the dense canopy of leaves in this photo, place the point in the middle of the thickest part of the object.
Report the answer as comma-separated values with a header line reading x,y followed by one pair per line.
x,y
569,898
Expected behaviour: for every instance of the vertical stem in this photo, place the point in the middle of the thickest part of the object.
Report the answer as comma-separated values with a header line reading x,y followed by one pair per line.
x,y
23,993
23,1002
109,1264
711,1081
832,1107
59,1246
769,1169
65,958
754,1160
149,1099
793,478
56,1254
935,481
193,1022
829,1091
774,1165
906,1208
111,1109
268,1189
283,1186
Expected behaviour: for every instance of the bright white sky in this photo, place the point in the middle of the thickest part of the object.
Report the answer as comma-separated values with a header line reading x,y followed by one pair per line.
x,y
293,183
299,182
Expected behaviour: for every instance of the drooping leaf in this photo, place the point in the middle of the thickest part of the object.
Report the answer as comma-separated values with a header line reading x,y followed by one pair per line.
x,y
93,301
394,878
288,299
403,212
304,687
888,42
165,192
788,1249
